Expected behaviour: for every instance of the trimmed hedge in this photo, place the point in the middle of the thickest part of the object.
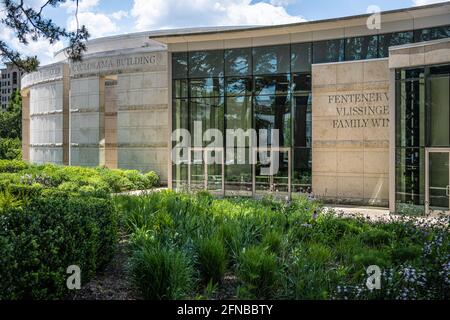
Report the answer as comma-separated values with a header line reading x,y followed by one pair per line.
x,y
24,180
40,240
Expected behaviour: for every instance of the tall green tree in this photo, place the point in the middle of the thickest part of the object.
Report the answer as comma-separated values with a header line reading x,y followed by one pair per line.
x,y
11,129
29,24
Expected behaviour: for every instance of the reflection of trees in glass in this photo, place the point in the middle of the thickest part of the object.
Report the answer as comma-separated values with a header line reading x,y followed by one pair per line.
x,y
238,62
272,112
206,63
239,86
270,60
393,39
179,65
432,34
329,51
361,48
301,57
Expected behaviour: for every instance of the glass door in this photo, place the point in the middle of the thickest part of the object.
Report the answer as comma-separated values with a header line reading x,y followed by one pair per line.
x,y
437,181
206,170
272,179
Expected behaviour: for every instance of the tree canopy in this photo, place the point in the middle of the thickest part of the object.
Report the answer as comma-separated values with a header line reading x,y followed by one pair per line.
x,y
30,24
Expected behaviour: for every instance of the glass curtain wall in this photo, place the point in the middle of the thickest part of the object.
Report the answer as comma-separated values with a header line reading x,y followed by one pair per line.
x,y
246,88
422,121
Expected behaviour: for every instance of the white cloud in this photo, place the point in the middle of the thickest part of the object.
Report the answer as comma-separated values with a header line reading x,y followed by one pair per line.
x,y
164,14
119,15
282,3
425,2
98,24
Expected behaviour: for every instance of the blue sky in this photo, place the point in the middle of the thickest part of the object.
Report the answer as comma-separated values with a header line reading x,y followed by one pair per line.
x,y
110,17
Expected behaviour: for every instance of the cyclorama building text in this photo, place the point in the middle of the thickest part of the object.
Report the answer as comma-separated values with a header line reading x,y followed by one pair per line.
x,y
361,116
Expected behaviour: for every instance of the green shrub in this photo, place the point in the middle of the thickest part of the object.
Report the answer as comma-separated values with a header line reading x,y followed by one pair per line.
x,y
211,259
10,149
152,179
161,273
403,254
319,253
12,166
273,241
368,257
42,239
376,237
258,272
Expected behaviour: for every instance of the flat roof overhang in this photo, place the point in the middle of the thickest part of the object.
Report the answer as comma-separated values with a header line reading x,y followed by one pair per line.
x,y
413,13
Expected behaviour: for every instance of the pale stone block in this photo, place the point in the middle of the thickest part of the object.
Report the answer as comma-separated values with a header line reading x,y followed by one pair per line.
x,y
323,130
329,34
417,56
376,161
299,37
352,72
325,74
237,43
437,53
324,160
394,26
350,187
436,20
376,189
399,58
206,45
155,80
350,161
324,186
377,70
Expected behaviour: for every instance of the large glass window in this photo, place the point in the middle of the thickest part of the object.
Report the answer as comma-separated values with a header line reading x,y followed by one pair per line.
x,y
179,65
393,39
329,51
273,112
422,121
303,120
206,64
432,34
361,48
410,126
301,57
271,85
238,62
439,107
270,60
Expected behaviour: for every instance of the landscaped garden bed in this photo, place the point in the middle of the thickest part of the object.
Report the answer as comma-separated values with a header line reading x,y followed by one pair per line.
x,y
195,246
53,217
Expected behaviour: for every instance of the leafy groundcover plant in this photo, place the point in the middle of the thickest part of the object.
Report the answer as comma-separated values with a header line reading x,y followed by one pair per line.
x,y
268,249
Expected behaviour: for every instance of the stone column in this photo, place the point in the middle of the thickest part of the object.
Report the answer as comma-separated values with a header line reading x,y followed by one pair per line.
x,y
110,128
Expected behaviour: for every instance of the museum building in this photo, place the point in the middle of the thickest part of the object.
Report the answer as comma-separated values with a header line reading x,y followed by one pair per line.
x,y
362,112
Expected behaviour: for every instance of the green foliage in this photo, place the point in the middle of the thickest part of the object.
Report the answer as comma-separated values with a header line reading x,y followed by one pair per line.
x,y
10,149
271,249
211,259
376,237
14,166
11,120
161,273
41,239
27,180
258,272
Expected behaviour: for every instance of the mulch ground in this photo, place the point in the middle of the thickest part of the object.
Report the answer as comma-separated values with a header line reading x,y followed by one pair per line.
x,y
112,283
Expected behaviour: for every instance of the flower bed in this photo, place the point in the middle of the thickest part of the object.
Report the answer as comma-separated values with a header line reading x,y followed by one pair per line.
x,y
190,246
